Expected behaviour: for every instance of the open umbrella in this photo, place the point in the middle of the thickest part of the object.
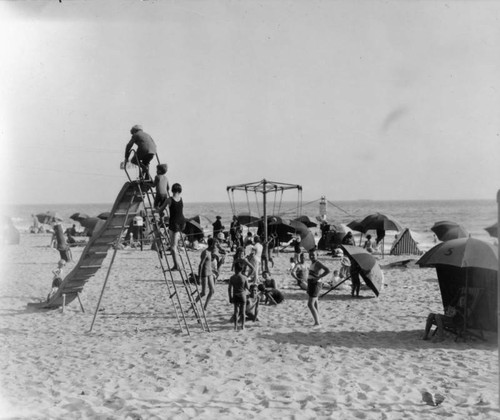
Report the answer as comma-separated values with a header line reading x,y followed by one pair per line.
x,y
469,256
370,270
306,237
463,253
247,219
357,226
306,220
49,217
193,230
79,216
446,230
379,221
492,230
92,224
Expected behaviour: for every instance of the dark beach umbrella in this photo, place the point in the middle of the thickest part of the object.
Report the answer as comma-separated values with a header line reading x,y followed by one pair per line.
x,y
104,215
460,262
446,230
380,222
370,270
79,216
463,253
49,217
306,237
357,226
492,230
306,220
247,219
92,224
193,230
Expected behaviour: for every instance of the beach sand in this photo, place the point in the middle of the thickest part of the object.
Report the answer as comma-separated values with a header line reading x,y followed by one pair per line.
x,y
367,361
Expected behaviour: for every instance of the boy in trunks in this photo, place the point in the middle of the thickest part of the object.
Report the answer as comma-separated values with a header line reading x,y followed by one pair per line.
x,y
237,291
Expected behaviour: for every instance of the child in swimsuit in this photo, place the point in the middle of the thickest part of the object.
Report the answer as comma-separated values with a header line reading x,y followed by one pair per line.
x,y
317,270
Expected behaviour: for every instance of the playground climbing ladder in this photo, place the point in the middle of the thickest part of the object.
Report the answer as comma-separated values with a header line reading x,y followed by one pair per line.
x,y
134,196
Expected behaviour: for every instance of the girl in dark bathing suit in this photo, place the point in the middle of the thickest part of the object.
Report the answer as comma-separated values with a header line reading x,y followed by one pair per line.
x,y
317,270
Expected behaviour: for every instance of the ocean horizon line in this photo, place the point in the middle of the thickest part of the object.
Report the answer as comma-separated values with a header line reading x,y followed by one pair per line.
x,y
359,200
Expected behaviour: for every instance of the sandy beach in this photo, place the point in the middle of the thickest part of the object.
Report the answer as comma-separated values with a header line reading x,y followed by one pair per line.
x,y
367,361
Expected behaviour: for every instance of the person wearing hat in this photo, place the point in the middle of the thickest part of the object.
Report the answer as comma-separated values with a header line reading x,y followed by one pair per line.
x,y
146,150
218,227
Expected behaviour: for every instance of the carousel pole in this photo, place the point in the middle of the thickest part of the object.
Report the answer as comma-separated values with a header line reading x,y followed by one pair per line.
x,y
264,204
498,288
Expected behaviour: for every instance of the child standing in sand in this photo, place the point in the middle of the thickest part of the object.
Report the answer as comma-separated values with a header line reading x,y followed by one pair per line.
x,y
161,184
57,279
317,270
205,272
237,291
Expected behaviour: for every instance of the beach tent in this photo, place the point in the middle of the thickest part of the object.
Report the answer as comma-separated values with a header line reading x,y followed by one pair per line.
x,y
467,263
405,245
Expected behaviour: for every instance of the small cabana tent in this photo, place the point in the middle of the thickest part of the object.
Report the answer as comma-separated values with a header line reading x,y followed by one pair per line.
x,y
405,245
451,279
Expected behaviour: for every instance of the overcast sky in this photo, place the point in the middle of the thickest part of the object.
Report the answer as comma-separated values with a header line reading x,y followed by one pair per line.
x,y
350,99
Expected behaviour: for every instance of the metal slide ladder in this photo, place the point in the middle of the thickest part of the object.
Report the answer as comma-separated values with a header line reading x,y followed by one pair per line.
x,y
185,296
181,291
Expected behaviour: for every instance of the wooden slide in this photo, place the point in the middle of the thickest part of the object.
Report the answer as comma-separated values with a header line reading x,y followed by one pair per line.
x,y
125,208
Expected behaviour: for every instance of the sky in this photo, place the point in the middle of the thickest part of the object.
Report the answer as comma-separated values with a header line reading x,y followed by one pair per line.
x,y
384,100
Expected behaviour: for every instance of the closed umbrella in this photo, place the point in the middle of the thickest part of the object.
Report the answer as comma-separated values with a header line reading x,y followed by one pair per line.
x,y
446,230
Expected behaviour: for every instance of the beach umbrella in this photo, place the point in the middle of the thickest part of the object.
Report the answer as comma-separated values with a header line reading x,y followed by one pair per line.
x,y
380,222
306,220
306,237
469,260
193,230
49,217
79,216
446,230
370,270
462,253
104,215
357,226
92,224
247,219
492,230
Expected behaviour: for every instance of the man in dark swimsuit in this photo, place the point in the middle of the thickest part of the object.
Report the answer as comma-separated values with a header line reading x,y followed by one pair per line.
x,y
146,150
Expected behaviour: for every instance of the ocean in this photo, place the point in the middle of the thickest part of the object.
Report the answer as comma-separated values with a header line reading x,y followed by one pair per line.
x,y
417,215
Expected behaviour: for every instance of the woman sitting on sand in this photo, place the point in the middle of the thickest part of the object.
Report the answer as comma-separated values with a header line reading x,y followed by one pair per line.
x,y
368,244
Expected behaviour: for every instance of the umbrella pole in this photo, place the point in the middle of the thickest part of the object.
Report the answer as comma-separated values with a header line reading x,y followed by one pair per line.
x,y
498,284
264,248
334,287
